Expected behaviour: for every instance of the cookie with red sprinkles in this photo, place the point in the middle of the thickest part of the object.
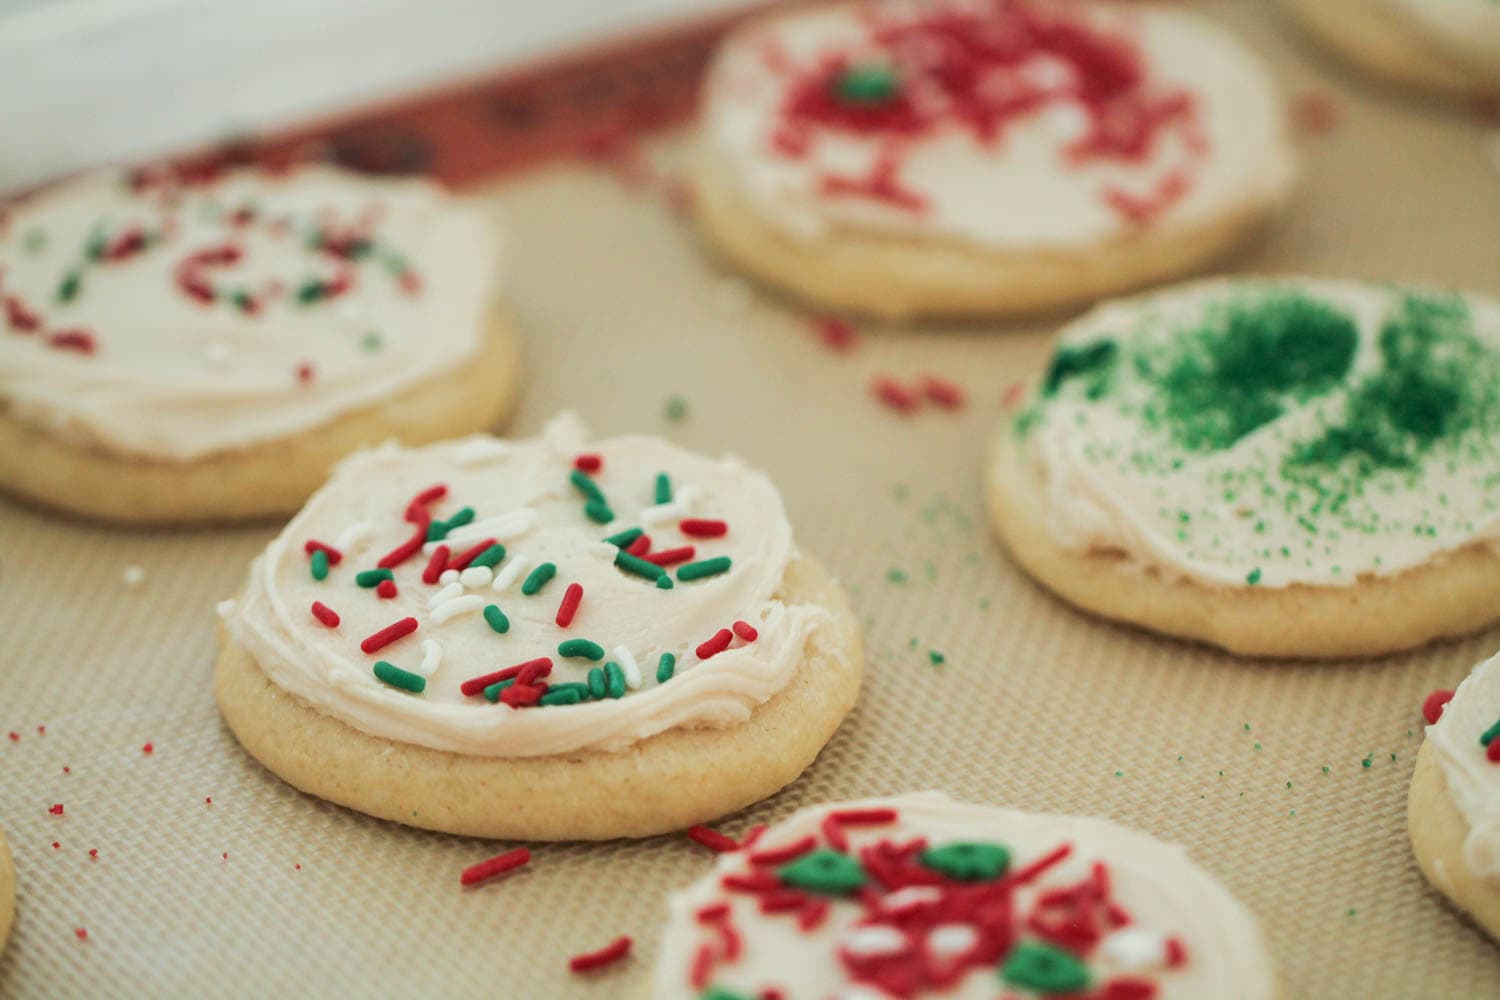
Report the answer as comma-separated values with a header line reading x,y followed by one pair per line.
x,y
921,896
1453,809
984,157
543,639
202,347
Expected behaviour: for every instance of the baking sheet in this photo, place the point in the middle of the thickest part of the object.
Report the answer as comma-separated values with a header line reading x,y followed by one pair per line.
x,y
264,890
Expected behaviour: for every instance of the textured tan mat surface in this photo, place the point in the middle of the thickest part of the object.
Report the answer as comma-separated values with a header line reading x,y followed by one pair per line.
x,y
1035,706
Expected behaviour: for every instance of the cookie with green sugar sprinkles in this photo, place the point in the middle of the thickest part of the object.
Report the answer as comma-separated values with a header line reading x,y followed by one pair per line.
x,y
456,601
1266,434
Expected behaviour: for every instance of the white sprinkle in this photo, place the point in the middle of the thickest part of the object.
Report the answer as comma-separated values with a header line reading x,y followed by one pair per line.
x,y
601,550
1135,948
476,576
448,576
672,510
478,451
457,606
875,939
225,608
733,295
352,536
632,670
951,939
501,527
688,496
133,576
432,657
510,571
448,593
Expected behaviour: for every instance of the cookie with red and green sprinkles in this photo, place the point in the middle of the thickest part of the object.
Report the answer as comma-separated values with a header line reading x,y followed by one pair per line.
x,y
1280,467
548,639
921,896
7,891
1453,809
202,346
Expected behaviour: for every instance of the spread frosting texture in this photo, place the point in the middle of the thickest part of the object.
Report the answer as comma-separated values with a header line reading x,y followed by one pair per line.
x,y
1273,432
921,896
535,597
1461,739
172,318
1002,123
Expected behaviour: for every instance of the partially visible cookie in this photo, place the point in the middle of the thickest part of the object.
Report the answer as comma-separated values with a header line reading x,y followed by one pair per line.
x,y
547,639
984,157
918,895
185,349
1453,810
1281,467
1444,46
7,891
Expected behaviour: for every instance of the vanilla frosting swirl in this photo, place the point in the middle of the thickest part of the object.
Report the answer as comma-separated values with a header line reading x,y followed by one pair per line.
x,y
1473,780
1273,432
522,496
172,320
1166,896
1026,185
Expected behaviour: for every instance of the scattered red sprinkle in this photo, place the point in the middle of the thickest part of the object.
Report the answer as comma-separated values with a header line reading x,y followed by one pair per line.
x,y
785,853
410,282
208,800
41,730
304,373
1432,708
19,317
1128,989
1176,953
611,953
751,838
429,495
813,915
325,614
640,546
56,846
55,809
864,817
94,853
670,557
572,598
15,737
699,527
148,748
746,631
498,865
1492,752
81,933
313,545
73,340
714,840
538,667
893,394
386,589
226,855
944,393
395,630
711,912
412,545
835,334
435,565
67,769
834,833
1316,113
519,695
703,966
715,645
297,867
588,463
461,562
1012,394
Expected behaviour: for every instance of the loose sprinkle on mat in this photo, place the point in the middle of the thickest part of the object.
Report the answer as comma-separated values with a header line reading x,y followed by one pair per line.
x,y
498,865
1432,708
893,395
615,951
712,839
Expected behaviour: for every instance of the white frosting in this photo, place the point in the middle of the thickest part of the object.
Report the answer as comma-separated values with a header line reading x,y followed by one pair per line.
x,y
326,668
1164,892
174,377
1466,31
1115,481
1473,779
1019,191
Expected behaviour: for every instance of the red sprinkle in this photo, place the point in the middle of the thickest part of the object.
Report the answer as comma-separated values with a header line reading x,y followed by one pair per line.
x,y
639,547
408,548
703,967
1492,752
813,915
436,565
834,833
148,748
1128,989
94,853
519,695
836,334
944,393
699,527
539,667
313,545
611,953
56,809
304,373
461,562
715,645
386,589
746,631
572,597
1316,113
1432,708
717,842
1176,953
15,737
785,853
588,463
81,933
429,495
395,630
712,912
73,340
670,557
498,865
19,317
893,394
864,817
325,614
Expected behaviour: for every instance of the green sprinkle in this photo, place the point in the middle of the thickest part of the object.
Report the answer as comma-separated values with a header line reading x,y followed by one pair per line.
x,y
371,341
438,530
1325,768
872,83
1368,761
582,649
564,694
1253,577
614,680
597,683
824,871
665,668
71,284
968,862
624,538
675,409
490,557
537,578
894,575
1119,774
1044,969
638,566
368,578
496,618
664,582
704,568
586,486
598,512
1490,735
492,693
663,488
242,300
319,565
311,291
393,675
937,659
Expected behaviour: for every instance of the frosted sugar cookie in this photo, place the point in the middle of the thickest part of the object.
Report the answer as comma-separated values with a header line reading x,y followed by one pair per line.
x,y
7,892
1444,46
544,639
1453,811
1282,467
981,157
202,349
921,896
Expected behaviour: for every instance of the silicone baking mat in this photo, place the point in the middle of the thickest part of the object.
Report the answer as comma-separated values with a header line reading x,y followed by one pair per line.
x,y
1287,780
